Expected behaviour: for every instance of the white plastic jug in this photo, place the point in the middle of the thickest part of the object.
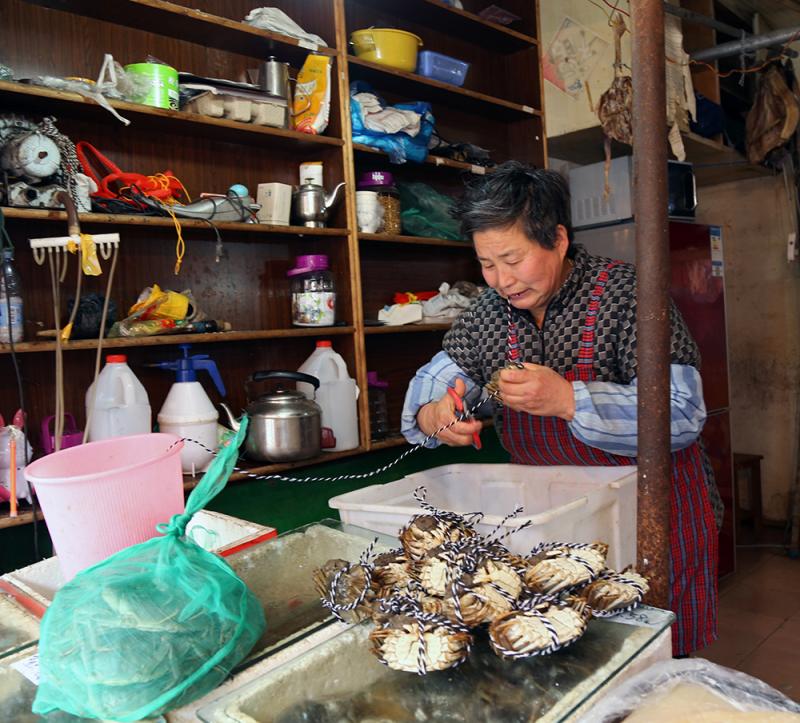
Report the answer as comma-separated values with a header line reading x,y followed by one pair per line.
x,y
337,394
119,406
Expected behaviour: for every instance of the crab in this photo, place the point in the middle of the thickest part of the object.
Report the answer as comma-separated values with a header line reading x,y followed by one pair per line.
x,y
351,598
565,566
542,629
426,532
493,386
403,643
390,569
614,592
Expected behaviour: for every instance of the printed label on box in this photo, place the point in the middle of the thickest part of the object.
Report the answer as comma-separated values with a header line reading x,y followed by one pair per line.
x,y
29,667
717,260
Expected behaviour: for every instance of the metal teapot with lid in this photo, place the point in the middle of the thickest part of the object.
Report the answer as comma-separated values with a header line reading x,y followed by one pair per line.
x,y
311,204
285,426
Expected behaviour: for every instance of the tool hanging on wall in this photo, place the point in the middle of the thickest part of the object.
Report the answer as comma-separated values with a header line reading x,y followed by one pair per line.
x,y
55,251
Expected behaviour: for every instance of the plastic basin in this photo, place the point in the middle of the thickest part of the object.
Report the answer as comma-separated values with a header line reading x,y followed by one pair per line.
x,y
386,46
101,497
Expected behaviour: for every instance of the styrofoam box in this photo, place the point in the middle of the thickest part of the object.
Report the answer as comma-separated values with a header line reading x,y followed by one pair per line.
x,y
213,531
563,503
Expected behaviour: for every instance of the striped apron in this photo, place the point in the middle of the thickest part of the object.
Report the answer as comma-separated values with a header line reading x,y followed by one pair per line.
x,y
537,440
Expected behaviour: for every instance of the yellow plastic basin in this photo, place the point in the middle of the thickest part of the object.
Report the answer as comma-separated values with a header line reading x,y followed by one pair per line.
x,y
395,48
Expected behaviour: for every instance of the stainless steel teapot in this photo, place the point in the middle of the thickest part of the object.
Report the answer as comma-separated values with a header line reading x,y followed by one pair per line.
x,y
311,204
285,426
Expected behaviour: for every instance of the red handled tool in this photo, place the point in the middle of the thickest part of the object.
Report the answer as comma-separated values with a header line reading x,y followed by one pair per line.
x,y
459,402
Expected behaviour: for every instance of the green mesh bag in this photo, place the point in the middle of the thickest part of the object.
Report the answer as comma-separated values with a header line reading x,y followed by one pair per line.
x,y
152,627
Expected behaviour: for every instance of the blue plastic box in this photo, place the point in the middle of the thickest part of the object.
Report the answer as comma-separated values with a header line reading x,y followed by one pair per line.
x,y
442,67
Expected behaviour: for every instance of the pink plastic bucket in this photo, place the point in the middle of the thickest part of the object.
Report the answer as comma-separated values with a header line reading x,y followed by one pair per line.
x,y
100,497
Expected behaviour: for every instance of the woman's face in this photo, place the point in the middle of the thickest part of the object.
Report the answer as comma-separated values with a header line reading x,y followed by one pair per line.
x,y
521,270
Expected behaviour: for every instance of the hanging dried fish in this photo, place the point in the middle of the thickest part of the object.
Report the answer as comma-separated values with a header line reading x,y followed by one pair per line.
x,y
615,109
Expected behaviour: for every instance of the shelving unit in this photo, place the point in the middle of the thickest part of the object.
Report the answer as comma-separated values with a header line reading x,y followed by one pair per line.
x,y
713,162
499,108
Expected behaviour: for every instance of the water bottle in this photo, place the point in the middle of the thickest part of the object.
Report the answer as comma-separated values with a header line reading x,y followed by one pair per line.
x,y
336,396
117,403
10,328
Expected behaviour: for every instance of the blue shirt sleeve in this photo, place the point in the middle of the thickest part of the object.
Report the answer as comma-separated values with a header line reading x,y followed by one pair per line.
x,y
605,413
430,383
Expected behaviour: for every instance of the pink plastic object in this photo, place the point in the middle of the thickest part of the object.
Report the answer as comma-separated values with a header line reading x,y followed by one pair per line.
x,y
101,497
71,437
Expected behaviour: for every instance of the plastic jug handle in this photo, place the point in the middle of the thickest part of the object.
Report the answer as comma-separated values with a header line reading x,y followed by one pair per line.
x,y
128,390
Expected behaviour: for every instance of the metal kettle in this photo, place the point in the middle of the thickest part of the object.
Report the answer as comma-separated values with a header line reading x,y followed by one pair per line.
x,y
310,203
285,426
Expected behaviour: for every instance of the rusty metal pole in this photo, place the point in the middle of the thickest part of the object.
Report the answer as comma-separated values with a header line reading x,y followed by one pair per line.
x,y
652,295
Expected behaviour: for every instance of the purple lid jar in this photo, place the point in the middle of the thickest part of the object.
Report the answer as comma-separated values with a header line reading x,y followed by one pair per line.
x,y
313,291
376,181
312,262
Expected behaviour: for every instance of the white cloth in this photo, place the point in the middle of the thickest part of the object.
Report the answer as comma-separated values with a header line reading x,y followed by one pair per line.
x,y
387,120
279,22
399,314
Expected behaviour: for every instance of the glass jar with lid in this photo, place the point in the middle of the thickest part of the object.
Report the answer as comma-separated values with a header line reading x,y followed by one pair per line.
x,y
382,182
313,291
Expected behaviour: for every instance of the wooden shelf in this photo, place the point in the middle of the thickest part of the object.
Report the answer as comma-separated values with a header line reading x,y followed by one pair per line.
x,y
419,240
466,25
437,161
48,101
713,162
171,339
412,85
393,441
405,328
195,26
45,214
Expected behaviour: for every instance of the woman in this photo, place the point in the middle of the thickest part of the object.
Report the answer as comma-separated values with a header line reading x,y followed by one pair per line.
x,y
569,318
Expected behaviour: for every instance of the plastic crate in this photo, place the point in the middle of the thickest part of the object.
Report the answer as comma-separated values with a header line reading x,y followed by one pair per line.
x,y
442,67
565,504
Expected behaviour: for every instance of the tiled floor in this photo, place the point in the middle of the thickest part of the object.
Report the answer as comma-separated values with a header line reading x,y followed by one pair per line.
x,y
759,619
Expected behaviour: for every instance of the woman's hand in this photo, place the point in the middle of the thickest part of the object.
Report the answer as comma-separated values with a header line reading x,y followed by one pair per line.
x,y
435,415
537,390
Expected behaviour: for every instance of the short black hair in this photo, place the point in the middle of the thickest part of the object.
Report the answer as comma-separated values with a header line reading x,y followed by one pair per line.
x,y
517,193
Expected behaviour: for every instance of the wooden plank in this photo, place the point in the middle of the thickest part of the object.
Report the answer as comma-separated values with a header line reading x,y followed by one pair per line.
x,y
713,162
430,160
196,26
406,329
414,85
171,339
414,240
48,100
48,214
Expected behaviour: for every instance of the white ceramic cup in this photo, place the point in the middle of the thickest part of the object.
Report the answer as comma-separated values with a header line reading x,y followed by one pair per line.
x,y
369,211
275,200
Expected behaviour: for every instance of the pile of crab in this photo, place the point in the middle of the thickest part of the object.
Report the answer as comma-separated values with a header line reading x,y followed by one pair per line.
x,y
429,597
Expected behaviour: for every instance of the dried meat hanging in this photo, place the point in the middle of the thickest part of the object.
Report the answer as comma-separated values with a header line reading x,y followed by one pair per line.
x,y
615,109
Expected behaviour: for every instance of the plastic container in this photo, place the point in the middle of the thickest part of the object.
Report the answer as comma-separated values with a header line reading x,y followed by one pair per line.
x,y
159,84
13,326
382,183
187,411
313,292
442,67
378,409
101,497
336,396
387,46
563,503
117,403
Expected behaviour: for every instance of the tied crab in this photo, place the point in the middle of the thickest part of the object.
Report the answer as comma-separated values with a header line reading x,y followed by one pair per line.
x,y
427,532
493,386
560,567
542,628
420,644
344,589
614,592
485,594
390,572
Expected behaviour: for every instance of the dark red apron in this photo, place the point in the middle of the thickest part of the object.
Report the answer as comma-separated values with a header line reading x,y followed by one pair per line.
x,y
693,536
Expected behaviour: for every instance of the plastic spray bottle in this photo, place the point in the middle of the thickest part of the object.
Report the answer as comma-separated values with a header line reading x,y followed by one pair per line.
x,y
187,410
